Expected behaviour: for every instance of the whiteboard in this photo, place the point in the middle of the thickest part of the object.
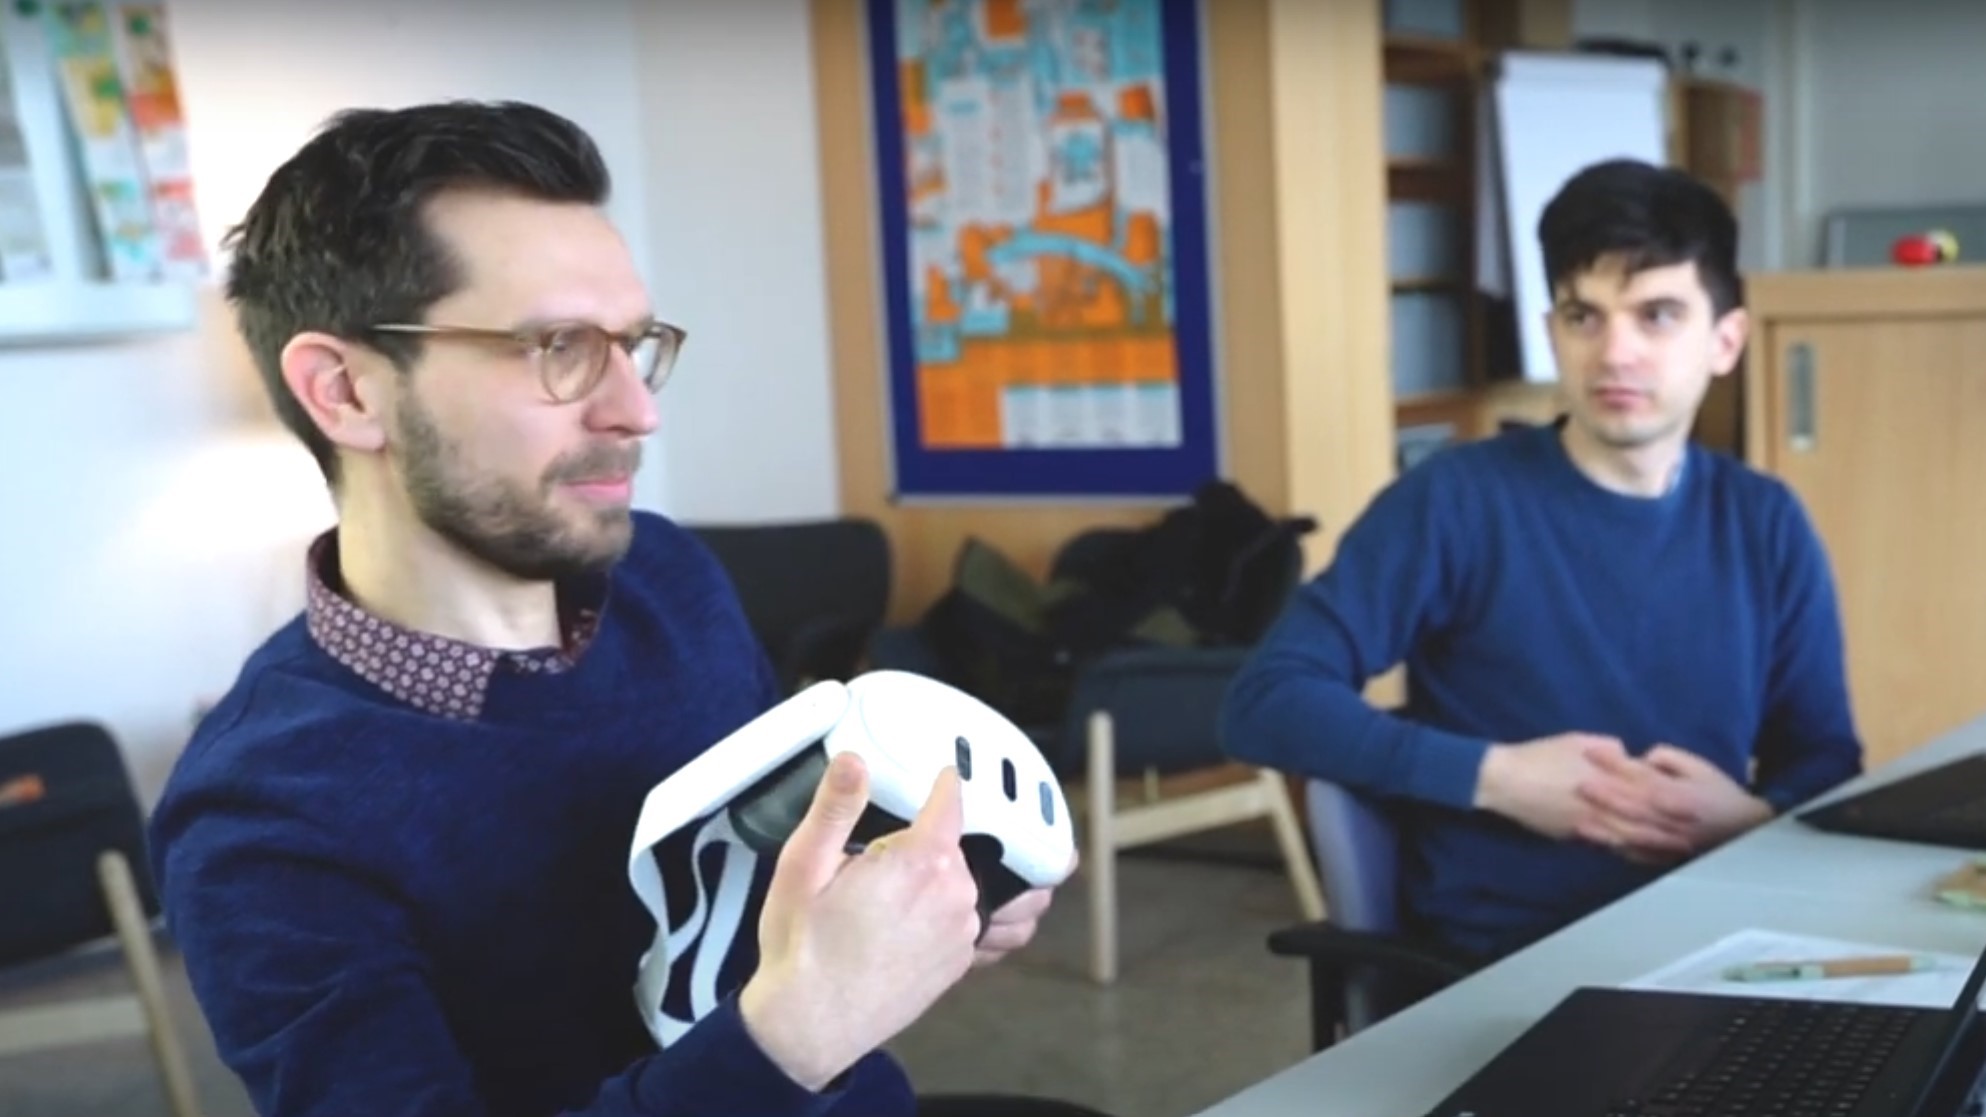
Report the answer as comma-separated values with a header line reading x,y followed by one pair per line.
x,y
1555,114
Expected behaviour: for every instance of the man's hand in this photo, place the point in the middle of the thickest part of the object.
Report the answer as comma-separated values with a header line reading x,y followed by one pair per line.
x,y
1537,783
853,949
1665,806
1013,926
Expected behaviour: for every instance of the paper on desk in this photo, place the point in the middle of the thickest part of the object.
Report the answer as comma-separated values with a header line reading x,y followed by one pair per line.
x,y
1703,972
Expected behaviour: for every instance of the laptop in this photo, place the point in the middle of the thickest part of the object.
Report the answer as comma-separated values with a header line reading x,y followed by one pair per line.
x,y
1651,1053
1945,805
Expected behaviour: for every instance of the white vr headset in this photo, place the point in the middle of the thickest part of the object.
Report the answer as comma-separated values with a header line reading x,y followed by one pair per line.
x,y
752,788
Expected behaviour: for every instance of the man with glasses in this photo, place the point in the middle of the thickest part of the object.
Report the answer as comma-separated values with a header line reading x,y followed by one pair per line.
x,y
394,854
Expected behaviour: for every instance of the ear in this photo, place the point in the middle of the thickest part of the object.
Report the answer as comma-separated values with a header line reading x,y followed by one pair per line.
x,y
1727,340
336,383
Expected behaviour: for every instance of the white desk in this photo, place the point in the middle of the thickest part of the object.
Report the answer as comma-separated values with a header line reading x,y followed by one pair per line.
x,y
1790,855
1784,877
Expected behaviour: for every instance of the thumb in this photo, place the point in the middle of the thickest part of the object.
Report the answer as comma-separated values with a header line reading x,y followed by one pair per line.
x,y
813,853
942,819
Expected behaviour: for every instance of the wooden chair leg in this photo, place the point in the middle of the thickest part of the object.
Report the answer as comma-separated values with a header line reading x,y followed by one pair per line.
x,y
127,914
1100,859
1296,852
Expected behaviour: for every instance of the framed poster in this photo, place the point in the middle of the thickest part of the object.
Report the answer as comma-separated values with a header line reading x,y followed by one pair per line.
x,y
1044,243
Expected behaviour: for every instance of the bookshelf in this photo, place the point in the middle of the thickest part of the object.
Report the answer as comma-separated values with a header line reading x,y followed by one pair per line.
x,y
1435,64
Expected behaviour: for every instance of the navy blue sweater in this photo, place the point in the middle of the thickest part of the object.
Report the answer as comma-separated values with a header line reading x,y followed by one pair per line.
x,y
388,912
1527,601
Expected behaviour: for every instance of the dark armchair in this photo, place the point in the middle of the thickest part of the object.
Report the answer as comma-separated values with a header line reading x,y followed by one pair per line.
x,y
1136,721
1142,733
73,871
814,591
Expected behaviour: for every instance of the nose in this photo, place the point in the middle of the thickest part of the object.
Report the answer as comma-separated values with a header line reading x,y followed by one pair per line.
x,y
621,402
1622,344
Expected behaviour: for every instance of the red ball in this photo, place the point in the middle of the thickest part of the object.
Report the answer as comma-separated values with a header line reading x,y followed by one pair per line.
x,y
1915,251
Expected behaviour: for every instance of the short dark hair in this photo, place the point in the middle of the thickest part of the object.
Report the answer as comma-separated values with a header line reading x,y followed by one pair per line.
x,y
1652,217
337,242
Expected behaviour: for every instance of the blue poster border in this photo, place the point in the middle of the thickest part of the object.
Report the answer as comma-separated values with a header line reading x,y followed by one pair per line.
x,y
1153,472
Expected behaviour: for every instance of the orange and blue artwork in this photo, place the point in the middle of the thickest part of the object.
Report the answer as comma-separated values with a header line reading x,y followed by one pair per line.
x,y
1044,238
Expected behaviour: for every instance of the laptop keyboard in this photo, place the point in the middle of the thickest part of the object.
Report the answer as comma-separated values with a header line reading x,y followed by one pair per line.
x,y
1780,1059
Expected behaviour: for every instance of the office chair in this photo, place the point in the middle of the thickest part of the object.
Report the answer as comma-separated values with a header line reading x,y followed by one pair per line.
x,y
1364,965
73,871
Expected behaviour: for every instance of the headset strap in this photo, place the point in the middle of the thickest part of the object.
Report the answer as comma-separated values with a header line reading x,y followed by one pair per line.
x,y
709,932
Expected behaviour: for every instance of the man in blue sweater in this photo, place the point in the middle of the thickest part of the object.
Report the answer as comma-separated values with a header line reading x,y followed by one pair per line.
x,y
395,855
1621,648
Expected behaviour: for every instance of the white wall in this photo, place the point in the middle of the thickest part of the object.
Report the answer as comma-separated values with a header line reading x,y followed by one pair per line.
x,y
1866,104
734,209
160,537
1613,19
1748,30
1891,98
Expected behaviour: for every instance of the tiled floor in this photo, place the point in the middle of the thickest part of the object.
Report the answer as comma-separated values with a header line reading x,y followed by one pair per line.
x,y
1201,1011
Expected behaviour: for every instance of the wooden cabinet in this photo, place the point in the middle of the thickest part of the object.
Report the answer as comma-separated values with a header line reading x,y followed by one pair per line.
x,y
1866,392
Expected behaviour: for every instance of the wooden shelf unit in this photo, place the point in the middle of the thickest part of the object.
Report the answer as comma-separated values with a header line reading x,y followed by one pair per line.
x,y
1452,386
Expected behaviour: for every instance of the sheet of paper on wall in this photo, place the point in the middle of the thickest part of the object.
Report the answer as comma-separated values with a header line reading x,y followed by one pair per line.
x,y
151,88
99,119
1555,115
24,254
1706,971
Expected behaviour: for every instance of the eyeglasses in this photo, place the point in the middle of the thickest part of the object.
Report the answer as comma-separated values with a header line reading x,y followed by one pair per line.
x,y
572,357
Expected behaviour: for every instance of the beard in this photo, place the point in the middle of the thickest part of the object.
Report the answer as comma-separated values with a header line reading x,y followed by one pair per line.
x,y
513,529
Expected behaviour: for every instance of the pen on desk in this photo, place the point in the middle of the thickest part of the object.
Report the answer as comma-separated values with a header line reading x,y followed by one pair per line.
x,y
1820,969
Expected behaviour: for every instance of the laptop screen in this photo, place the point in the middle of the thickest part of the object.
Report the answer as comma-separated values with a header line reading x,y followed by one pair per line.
x,y
1960,1020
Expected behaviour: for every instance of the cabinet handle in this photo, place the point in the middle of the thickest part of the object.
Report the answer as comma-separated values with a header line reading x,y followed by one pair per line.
x,y
1800,402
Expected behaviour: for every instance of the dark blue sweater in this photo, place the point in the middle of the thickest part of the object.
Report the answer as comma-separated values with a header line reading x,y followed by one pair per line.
x,y
1527,601
388,912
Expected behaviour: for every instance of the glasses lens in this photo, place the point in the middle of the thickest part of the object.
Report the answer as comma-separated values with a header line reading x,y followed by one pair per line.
x,y
574,357
655,356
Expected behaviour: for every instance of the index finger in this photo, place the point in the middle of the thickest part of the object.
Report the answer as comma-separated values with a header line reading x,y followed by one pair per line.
x,y
1615,763
1677,762
1618,797
942,818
